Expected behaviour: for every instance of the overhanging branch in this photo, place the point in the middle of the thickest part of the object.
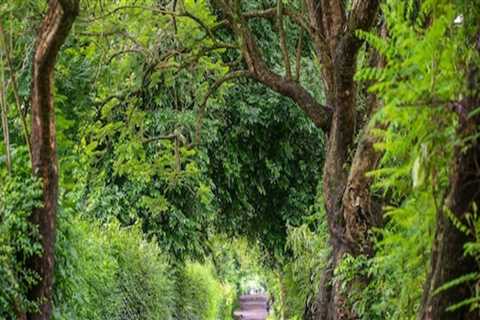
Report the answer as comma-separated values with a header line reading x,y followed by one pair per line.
x,y
320,115
202,108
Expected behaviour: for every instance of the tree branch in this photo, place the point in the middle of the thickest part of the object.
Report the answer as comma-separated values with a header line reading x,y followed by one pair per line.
x,y
283,41
271,13
18,104
4,112
316,16
320,115
164,137
298,56
185,14
213,88
119,53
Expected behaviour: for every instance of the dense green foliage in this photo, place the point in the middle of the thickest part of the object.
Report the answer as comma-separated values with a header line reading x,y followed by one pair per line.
x,y
178,193
302,272
120,178
200,293
417,140
18,238
272,184
116,275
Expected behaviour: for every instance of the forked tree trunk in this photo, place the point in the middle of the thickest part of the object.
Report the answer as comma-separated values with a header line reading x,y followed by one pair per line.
x,y
448,259
52,34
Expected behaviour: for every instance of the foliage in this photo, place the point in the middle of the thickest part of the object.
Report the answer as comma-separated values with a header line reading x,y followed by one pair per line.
x,y
471,279
265,161
108,272
200,293
418,82
19,193
153,224
126,119
309,255
235,260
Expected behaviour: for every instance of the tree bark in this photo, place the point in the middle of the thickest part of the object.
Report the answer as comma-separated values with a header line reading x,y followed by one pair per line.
x,y
52,34
448,259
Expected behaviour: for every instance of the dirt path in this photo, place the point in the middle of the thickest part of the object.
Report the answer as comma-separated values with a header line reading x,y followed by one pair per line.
x,y
252,307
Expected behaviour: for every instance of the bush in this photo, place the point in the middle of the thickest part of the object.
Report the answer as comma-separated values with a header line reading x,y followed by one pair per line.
x,y
145,283
108,272
19,194
200,294
229,299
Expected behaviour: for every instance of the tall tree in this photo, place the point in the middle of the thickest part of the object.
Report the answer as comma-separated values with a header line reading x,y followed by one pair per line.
x,y
332,28
52,34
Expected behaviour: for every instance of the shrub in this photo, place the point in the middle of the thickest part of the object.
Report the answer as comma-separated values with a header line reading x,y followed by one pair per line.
x,y
108,272
309,252
200,294
228,302
85,279
19,194
144,281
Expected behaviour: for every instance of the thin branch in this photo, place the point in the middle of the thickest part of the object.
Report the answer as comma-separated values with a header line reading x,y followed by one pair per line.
x,y
185,14
164,137
220,25
272,13
100,34
233,63
132,38
201,23
174,19
298,56
204,50
178,160
13,76
320,115
117,9
213,88
4,112
119,53
283,41
120,97
316,14
362,15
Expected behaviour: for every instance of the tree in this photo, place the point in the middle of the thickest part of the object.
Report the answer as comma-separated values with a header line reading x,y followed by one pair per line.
x,y
52,34
332,27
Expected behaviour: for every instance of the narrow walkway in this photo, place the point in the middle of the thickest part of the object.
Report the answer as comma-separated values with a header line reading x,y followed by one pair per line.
x,y
252,307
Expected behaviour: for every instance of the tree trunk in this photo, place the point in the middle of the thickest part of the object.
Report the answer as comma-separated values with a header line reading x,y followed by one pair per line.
x,y
351,210
350,223
448,259
53,32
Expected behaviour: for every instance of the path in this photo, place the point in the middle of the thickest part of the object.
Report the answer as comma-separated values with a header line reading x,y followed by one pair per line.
x,y
252,307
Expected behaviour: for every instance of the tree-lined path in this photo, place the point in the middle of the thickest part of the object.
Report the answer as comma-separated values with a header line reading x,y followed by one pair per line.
x,y
252,307
159,158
